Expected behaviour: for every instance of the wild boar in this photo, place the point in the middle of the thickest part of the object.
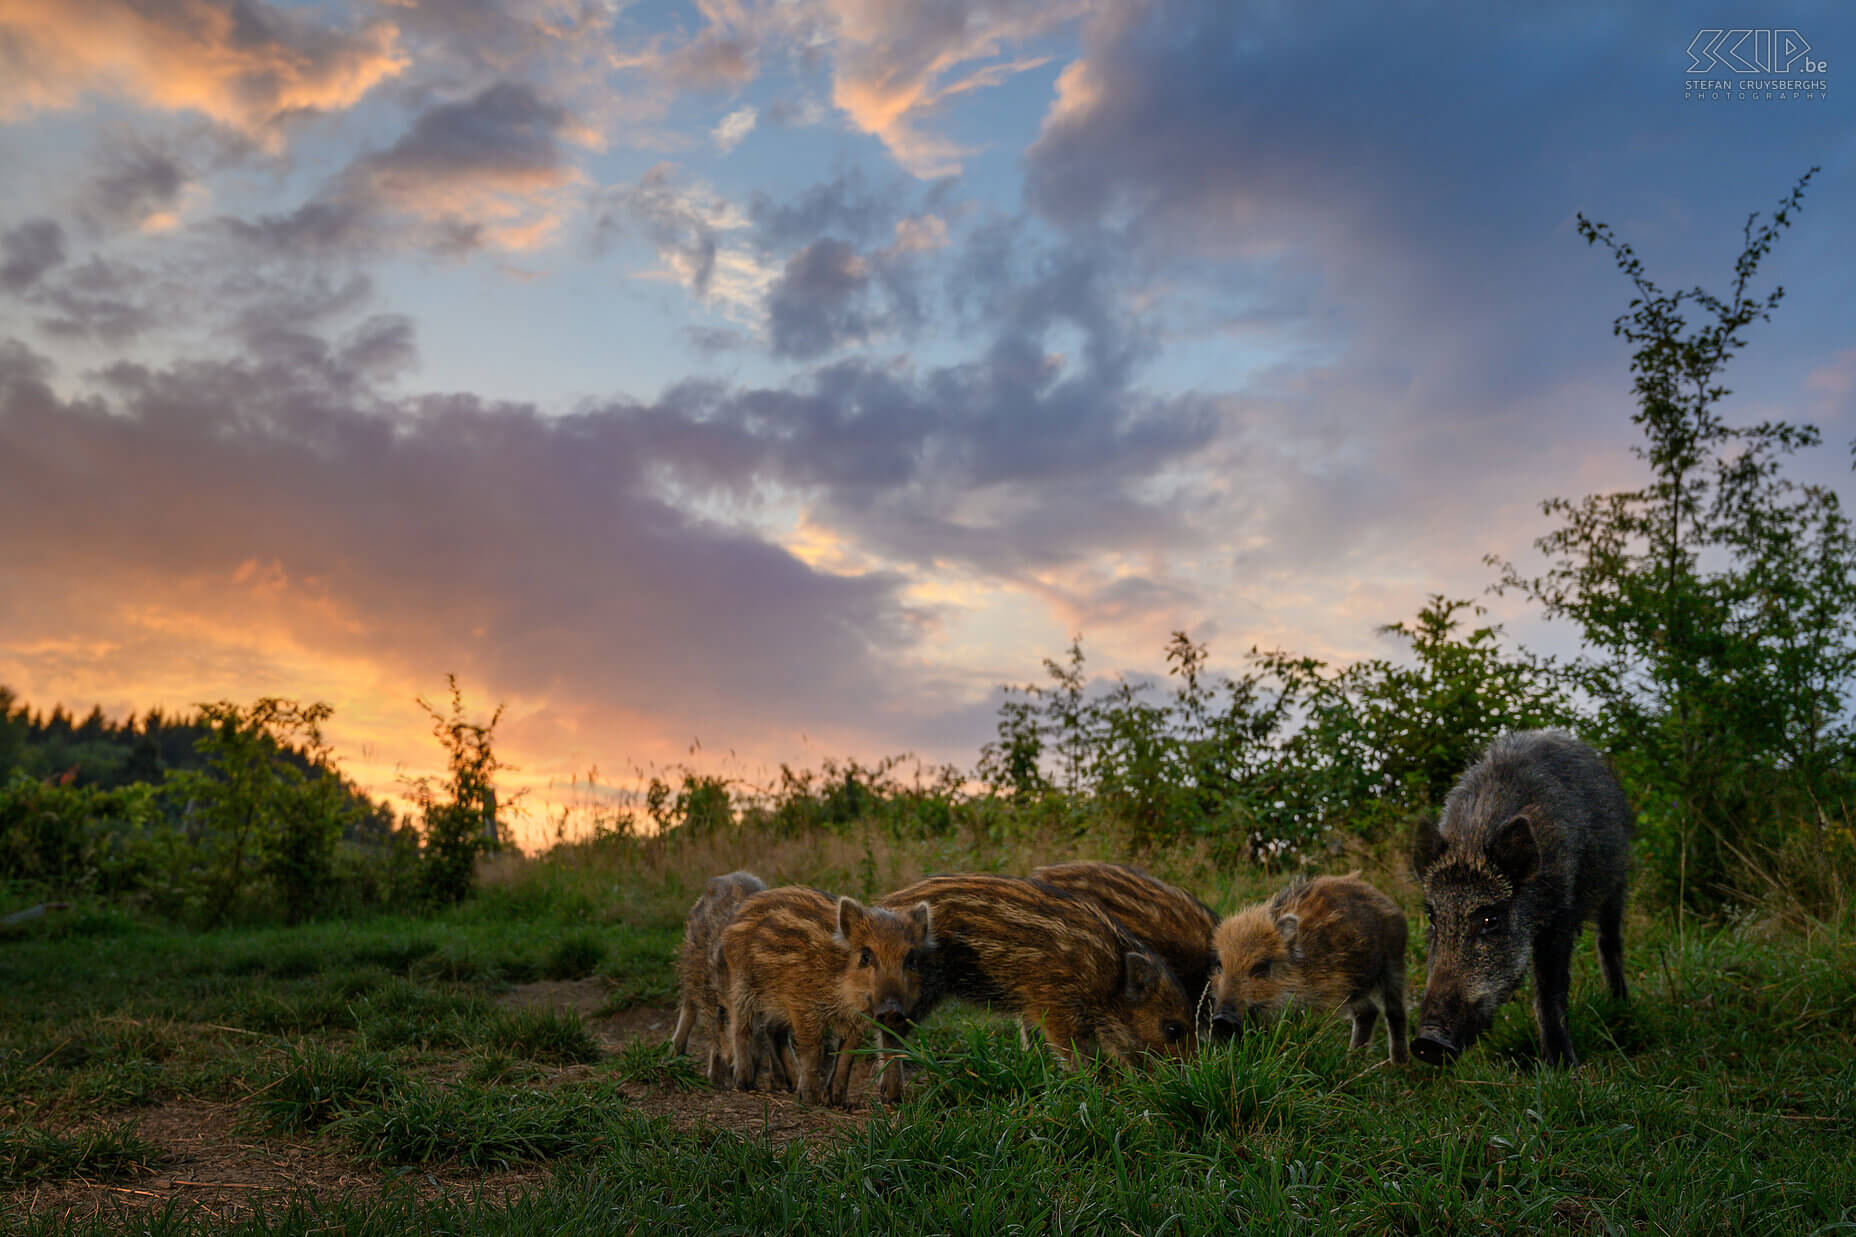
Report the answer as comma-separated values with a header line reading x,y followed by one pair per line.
x,y
796,962
1056,961
1173,924
1327,943
699,1003
1534,840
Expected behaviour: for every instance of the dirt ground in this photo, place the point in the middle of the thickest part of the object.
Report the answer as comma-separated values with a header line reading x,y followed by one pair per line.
x,y
207,1161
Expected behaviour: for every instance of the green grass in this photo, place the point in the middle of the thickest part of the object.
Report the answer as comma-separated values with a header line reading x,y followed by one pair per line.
x,y
477,1127
650,1061
551,1036
317,1085
1721,1098
575,956
641,966
28,1156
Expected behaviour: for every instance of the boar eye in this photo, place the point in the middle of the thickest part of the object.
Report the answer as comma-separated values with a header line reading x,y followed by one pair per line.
x,y
1491,924
911,961
1261,970
866,958
1174,1032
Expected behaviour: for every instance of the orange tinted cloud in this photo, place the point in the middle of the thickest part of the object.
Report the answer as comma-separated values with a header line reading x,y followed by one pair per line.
x,y
247,66
898,60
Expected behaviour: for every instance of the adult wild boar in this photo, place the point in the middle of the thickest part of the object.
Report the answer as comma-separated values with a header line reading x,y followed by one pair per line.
x,y
1533,841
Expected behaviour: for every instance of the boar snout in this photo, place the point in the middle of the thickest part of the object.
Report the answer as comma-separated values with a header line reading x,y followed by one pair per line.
x,y
891,1014
1227,1024
1433,1046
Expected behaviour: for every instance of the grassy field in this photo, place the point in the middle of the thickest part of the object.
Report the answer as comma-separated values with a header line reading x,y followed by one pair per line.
x,y
498,1069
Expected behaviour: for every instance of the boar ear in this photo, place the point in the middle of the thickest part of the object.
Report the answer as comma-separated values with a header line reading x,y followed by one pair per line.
x,y
922,914
1142,974
850,917
1287,925
1427,845
1514,851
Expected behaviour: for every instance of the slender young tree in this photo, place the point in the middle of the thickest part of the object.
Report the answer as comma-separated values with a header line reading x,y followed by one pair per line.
x,y
1717,602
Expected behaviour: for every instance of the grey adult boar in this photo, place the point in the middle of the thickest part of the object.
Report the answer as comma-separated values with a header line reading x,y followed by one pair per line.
x,y
1533,841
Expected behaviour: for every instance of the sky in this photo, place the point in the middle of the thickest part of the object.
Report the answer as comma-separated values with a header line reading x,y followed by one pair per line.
x,y
740,382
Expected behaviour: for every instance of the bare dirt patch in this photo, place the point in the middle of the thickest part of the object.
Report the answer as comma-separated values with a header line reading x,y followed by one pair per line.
x,y
207,1162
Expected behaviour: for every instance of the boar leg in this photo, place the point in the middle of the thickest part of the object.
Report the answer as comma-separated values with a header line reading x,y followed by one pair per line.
x,y
1393,994
1552,984
746,1052
891,1045
786,1060
1065,1039
774,1046
719,1073
686,1020
808,1046
1611,943
1365,1014
840,1090
721,1065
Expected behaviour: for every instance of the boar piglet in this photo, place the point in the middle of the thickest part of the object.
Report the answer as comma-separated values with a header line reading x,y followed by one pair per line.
x,y
1175,926
699,1002
801,964
1327,943
1054,960
1534,840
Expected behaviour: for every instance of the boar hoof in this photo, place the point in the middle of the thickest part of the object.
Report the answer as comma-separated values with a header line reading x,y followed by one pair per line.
x,y
1435,1047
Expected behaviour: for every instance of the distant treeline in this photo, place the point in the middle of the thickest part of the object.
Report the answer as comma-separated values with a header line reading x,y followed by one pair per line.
x,y
102,753
234,812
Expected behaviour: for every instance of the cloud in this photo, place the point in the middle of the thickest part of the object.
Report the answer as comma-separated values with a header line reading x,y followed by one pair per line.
x,y
480,172
425,534
815,305
1018,460
28,251
716,59
897,61
838,285
847,207
487,172
107,302
733,128
715,340
246,64
894,63
136,186
685,223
